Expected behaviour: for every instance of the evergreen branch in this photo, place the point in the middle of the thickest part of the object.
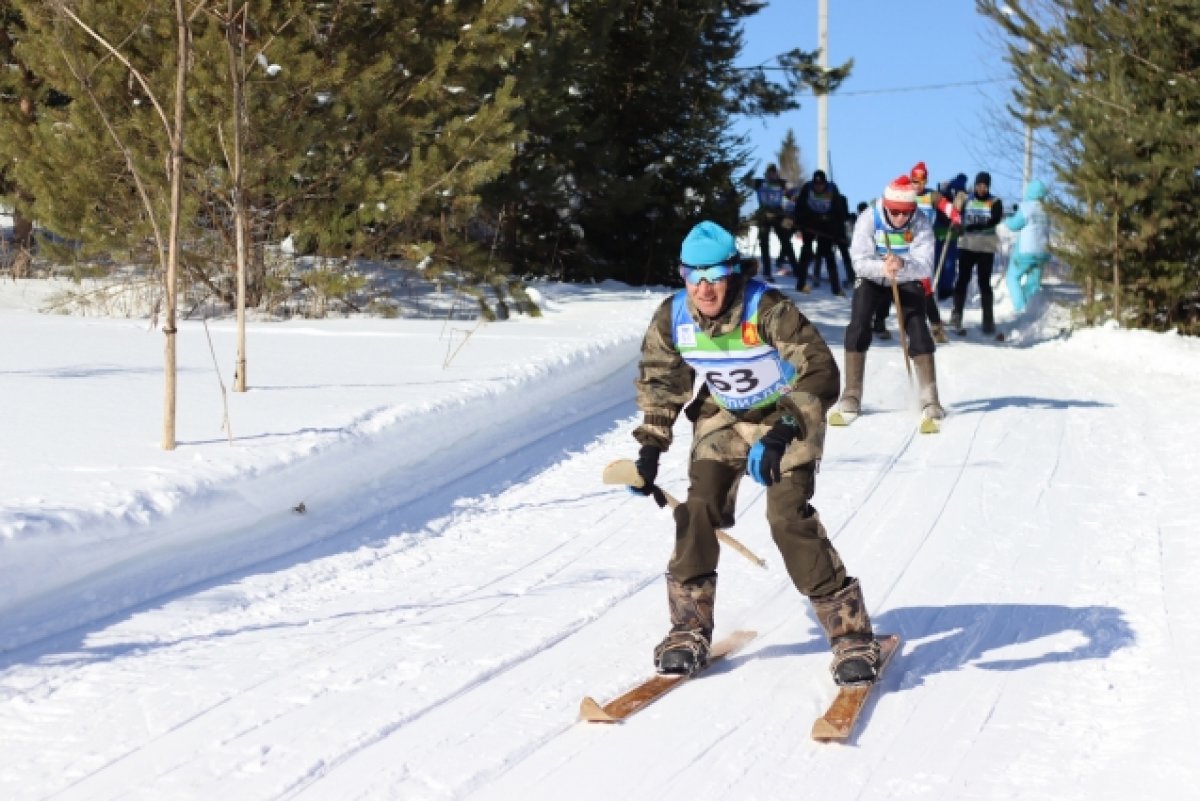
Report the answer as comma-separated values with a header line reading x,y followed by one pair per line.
x,y
141,79
127,154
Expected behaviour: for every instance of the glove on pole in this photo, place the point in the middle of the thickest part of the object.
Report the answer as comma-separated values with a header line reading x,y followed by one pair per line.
x,y
625,472
900,318
647,468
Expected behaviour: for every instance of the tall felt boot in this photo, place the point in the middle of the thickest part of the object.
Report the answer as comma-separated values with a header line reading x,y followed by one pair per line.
x,y
856,365
685,648
843,616
927,383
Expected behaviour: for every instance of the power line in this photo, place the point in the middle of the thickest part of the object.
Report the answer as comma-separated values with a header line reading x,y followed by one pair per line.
x,y
924,88
898,89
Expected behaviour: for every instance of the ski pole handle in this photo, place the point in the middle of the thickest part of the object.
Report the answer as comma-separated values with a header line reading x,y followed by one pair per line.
x,y
624,472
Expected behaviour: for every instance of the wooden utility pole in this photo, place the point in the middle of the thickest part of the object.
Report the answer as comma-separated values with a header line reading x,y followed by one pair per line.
x,y
823,97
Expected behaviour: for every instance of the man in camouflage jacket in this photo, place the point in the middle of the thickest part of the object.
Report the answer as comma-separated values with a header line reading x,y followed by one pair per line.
x,y
769,379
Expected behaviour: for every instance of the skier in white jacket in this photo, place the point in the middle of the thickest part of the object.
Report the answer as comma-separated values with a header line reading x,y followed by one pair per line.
x,y
892,244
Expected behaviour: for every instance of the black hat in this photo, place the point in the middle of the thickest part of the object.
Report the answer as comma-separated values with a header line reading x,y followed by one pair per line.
x,y
772,168
984,178
819,175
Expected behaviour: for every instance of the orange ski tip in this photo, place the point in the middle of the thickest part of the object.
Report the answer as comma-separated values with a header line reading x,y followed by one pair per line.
x,y
622,471
592,712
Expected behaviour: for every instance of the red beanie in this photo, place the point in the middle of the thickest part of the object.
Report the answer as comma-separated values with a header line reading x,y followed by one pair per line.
x,y
919,172
900,195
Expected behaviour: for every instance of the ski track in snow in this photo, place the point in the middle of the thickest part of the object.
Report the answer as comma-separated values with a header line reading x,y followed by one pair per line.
x,y
392,664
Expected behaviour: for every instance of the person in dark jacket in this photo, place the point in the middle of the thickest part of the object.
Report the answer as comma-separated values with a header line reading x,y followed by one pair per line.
x,y
774,216
977,252
820,225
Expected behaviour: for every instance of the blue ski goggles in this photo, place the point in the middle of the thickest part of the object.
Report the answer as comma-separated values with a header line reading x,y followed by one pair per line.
x,y
712,273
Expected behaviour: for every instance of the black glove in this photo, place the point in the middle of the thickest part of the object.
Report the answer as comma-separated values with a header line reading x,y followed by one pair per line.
x,y
763,463
647,467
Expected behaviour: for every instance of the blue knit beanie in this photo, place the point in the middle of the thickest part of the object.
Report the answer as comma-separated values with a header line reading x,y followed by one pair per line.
x,y
707,244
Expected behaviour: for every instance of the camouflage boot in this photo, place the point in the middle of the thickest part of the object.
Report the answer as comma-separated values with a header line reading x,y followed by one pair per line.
x,y
856,365
843,616
927,383
685,648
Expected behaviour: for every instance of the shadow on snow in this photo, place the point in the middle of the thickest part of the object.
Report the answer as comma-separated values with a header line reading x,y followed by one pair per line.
x,y
949,638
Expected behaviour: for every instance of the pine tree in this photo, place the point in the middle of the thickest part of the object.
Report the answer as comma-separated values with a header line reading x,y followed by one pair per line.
x,y
629,108
22,92
1117,84
368,126
788,160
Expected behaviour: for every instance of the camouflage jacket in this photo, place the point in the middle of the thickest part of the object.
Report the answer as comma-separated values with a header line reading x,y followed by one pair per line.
x,y
665,382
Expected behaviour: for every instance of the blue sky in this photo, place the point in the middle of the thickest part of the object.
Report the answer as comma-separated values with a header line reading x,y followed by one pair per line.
x,y
875,135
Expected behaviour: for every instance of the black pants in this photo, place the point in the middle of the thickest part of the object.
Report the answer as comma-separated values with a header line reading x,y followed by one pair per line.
x,y
824,252
870,297
982,264
843,247
931,311
786,254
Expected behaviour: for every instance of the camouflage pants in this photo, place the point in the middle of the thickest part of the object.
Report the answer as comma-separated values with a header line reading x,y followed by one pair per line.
x,y
717,465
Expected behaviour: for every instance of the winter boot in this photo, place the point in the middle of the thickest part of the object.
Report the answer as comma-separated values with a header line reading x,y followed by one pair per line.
x,y
927,387
956,321
843,616
939,334
856,365
879,328
685,648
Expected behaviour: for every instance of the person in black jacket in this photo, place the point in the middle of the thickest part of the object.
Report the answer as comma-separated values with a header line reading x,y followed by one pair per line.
x,y
819,223
977,252
774,216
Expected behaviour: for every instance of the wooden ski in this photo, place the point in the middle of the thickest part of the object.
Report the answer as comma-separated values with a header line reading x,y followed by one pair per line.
x,y
838,721
650,690
840,418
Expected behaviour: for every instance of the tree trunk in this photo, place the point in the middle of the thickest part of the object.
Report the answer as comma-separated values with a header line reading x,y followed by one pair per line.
x,y
1089,307
1116,271
236,78
181,54
22,244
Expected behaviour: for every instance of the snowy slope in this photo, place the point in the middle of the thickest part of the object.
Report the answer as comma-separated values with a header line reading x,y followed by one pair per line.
x,y
461,578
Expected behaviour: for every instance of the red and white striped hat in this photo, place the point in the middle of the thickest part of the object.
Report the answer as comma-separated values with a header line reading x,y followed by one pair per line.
x,y
900,195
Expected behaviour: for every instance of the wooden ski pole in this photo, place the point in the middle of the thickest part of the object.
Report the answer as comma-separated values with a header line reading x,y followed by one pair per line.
x,y
624,472
937,274
900,318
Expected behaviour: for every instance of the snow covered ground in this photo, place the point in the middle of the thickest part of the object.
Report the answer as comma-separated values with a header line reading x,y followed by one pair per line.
x,y
171,627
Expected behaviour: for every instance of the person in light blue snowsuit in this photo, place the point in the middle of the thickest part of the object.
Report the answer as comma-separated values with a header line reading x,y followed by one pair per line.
x,y
1032,248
